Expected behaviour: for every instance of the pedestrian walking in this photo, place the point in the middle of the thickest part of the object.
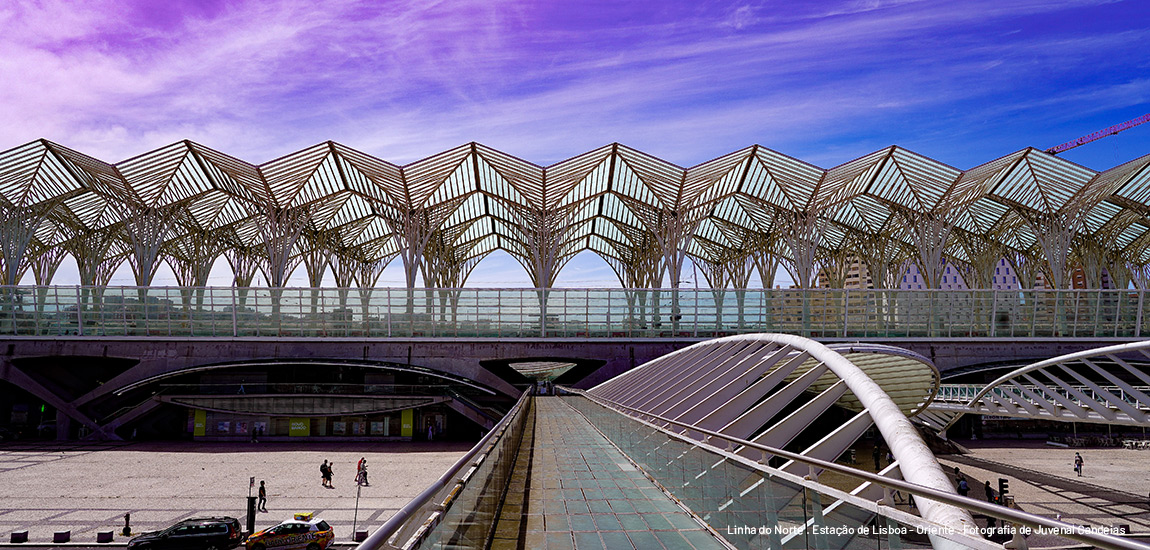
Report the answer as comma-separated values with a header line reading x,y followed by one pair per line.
x,y
430,431
963,486
323,474
330,474
877,454
361,473
989,492
263,503
1078,464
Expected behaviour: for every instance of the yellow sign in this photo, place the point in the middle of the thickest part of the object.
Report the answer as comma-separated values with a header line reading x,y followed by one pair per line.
x,y
407,423
299,427
200,423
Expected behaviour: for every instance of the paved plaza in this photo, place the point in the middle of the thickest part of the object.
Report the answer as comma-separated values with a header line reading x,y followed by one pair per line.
x,y
1112,490
87,487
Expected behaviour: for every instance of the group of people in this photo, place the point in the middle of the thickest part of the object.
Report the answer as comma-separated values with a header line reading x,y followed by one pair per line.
x,y
361,472
326,474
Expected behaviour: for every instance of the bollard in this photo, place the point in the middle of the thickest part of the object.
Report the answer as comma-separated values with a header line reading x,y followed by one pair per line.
x,y
61,536
103,536
360,535
251,514
19,536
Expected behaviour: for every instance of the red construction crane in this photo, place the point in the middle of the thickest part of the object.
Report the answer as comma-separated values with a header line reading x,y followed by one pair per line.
x,y
1099,134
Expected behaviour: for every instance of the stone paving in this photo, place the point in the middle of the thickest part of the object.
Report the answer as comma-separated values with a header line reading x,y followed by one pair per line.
x,y
585,494
87,487
1112,490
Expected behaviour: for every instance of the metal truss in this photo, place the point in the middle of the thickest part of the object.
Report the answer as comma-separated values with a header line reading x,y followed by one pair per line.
x,y
1108,385
332,207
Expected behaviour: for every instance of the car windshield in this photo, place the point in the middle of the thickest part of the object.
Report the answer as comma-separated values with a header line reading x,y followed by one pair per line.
x,y
322,526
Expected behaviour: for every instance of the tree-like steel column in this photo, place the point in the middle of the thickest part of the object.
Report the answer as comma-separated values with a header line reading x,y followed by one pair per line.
x,y
18,223
280,232
192,257
803,239
1055,233
545,234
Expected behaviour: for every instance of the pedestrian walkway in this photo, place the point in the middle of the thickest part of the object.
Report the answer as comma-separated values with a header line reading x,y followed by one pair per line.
x,y
584,494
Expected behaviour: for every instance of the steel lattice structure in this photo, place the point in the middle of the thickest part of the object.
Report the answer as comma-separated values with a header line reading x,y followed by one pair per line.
x,y
746,387
753,210
1106,385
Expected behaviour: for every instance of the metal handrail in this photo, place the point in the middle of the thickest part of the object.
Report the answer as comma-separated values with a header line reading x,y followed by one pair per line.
x,y
64,311
379,539
1075,532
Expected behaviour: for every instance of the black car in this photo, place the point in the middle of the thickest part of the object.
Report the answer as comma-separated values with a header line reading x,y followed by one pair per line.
x,y
222,533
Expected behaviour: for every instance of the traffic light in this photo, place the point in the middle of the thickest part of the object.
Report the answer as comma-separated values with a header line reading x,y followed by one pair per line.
x,y
1003,488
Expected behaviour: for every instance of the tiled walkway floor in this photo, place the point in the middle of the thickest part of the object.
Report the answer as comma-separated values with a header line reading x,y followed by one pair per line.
x,y
585,494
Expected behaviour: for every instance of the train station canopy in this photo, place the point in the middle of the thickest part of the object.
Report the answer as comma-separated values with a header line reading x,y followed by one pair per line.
x,y
753,210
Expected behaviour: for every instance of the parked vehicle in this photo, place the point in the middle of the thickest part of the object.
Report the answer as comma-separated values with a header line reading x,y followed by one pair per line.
x,y
301,532
215,533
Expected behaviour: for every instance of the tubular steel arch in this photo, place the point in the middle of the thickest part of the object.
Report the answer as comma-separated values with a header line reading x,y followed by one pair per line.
x,y
739,386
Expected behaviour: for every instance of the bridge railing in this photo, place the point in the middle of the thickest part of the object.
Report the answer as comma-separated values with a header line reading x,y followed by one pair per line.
x,y
727,489
575,313
460,509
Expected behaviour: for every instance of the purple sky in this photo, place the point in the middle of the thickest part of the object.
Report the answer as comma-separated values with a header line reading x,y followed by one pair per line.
x,y
827,82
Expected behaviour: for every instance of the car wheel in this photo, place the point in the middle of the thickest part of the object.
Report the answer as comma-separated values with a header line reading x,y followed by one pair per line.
x,y
259,547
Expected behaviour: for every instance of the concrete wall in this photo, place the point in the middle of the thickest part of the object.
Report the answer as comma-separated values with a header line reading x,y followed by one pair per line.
x,y
459,357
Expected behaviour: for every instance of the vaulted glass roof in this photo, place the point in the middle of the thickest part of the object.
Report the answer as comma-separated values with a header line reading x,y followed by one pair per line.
x,y
616,201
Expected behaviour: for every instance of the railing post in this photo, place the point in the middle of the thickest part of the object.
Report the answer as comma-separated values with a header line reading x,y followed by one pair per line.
x,y
993,311
609,328
542,314
695,322
1138,322
80,312
846,310
235,320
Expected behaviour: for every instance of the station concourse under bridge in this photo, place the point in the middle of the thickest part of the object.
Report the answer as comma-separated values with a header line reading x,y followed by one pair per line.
x,y
738,442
